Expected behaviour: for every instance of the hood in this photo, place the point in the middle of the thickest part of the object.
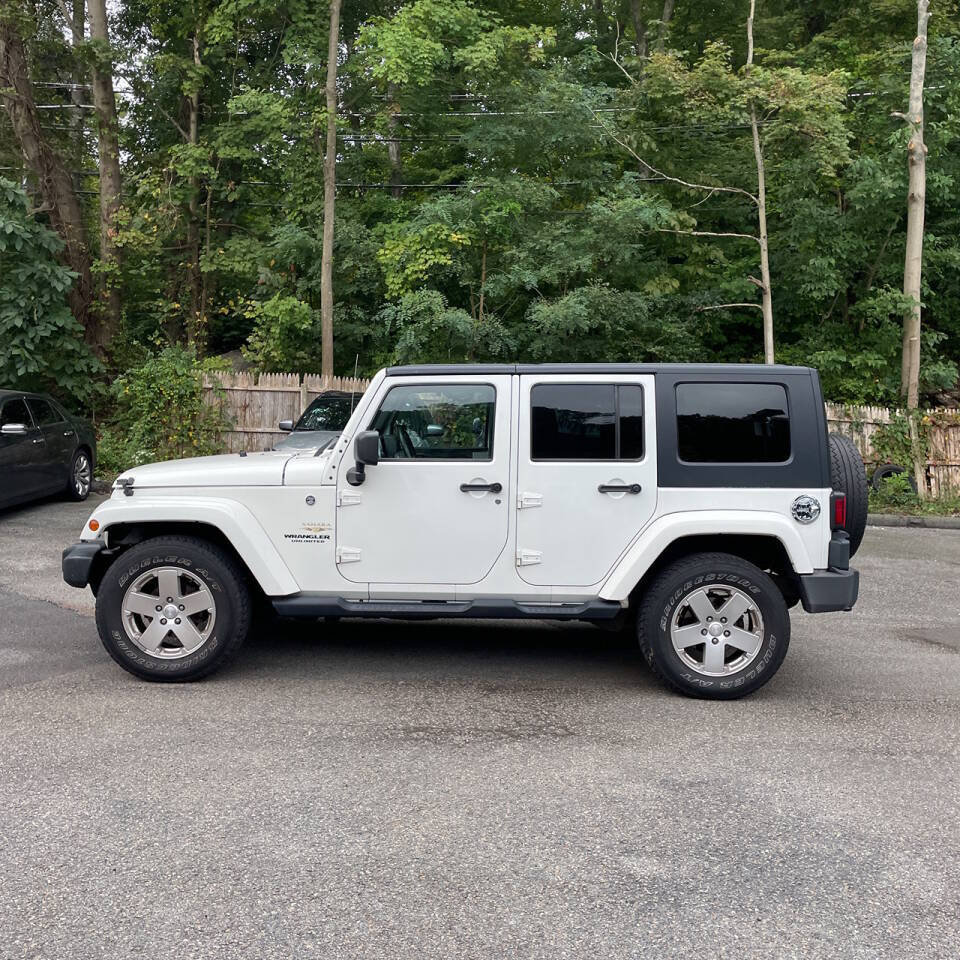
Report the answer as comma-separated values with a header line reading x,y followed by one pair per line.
x,y
227,470
306,439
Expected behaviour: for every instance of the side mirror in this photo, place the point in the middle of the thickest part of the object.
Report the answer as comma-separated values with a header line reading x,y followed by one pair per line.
x,y
366,448
285,425
13,429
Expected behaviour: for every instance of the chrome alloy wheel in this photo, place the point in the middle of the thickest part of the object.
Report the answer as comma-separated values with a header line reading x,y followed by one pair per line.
x,y
717,630
82,475
169,612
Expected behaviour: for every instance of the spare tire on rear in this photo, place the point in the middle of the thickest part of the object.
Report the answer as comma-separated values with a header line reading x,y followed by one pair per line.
x,y
849,476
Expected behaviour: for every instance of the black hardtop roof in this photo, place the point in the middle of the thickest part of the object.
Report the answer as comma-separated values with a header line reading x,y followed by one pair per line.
x,y
733,369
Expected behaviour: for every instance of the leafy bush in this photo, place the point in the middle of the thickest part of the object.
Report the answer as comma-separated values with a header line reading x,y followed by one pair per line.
x,y
286,335
895,492
161,413
43,347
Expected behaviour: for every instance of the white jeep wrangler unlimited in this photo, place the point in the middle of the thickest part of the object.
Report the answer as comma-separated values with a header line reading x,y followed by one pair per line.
x,y
697,502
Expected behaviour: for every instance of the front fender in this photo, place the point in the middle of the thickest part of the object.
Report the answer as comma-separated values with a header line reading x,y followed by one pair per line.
x,y
666,529
231,518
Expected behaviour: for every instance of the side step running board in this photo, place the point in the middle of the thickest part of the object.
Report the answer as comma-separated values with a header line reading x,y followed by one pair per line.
x,y
312,605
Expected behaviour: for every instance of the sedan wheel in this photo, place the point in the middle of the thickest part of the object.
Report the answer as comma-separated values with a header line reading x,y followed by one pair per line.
x,y
81,476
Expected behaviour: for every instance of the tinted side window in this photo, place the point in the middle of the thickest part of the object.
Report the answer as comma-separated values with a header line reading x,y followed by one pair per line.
x,y
440,422
732,423
44,413
15,411
586,421
326,413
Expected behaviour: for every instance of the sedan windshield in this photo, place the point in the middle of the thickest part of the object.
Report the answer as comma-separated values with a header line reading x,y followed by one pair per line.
x,y
326,413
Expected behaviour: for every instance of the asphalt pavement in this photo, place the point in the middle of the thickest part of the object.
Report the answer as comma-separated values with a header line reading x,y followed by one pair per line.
x,y
448,790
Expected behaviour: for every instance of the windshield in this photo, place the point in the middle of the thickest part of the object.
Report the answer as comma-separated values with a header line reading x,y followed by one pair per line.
x,y
325,413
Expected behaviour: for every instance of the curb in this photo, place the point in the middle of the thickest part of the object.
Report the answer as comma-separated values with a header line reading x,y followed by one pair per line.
x,y
900,520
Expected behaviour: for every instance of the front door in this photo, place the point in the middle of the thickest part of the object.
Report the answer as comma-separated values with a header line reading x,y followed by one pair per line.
x,y
20,456
434,509
587,479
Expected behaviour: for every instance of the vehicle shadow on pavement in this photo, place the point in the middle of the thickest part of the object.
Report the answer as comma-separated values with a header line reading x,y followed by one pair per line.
x,y
527,646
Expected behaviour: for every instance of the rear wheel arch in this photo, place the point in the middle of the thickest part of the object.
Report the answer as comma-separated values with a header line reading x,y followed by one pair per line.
x,y
762,550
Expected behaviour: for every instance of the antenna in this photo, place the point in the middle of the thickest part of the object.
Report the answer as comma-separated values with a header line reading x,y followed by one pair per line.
x,y
353,386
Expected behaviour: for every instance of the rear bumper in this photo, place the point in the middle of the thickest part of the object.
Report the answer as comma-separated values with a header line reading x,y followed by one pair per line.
x,y
77,561
824,591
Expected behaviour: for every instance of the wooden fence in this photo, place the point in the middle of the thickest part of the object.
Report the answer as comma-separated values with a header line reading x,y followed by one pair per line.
x,y
255,405
943,464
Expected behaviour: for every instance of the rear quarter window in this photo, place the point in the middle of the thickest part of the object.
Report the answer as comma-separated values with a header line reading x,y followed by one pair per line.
x,y
732,423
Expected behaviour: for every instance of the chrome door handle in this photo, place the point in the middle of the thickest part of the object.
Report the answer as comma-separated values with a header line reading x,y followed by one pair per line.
x,y
619,488
492,487
68,433
39,440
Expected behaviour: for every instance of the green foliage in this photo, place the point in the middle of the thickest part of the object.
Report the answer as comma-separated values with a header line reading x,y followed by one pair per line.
x,y
894,492
160,412
488,203
285,337
904,440
43,346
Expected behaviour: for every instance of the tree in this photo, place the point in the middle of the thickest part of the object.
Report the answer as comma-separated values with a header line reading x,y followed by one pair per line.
x,y
329,195
766,292
916,205
43,346
109,157
47,167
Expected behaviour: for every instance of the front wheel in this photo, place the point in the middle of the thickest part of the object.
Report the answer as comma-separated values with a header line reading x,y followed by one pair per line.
x,y
713,626
173,609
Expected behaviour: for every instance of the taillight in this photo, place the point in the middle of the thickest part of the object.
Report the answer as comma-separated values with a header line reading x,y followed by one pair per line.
x,y
839,519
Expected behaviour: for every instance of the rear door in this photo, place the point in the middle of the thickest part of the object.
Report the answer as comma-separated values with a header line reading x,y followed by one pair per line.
x,y
587,479
434,509
59,440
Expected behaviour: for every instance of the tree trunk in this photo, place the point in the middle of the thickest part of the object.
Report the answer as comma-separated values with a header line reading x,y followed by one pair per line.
x,y
60,199
393,145
766,290
640,44
77,21
916,195
195,317
329,198
109,155
665,19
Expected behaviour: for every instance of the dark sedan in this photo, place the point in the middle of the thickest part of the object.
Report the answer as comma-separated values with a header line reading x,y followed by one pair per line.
x,y
321,423
43,449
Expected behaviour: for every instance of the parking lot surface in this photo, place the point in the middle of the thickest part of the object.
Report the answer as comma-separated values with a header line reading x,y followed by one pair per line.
x,y
474,790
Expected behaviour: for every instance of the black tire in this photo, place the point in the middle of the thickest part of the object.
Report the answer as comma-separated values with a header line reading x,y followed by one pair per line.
x,y
667,596
77,490
848,475
891,470
199,561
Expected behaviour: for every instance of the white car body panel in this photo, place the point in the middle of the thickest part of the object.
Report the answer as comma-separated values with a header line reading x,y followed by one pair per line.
x,y
758,512
229,516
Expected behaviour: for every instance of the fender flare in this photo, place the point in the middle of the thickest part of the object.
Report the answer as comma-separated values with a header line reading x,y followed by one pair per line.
x,y
654,539
231,518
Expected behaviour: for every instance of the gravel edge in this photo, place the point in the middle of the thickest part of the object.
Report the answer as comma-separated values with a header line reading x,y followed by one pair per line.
x,y
902,520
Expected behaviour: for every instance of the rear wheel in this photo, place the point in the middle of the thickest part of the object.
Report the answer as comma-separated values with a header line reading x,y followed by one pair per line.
x,y
713,626
173,608
81,476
